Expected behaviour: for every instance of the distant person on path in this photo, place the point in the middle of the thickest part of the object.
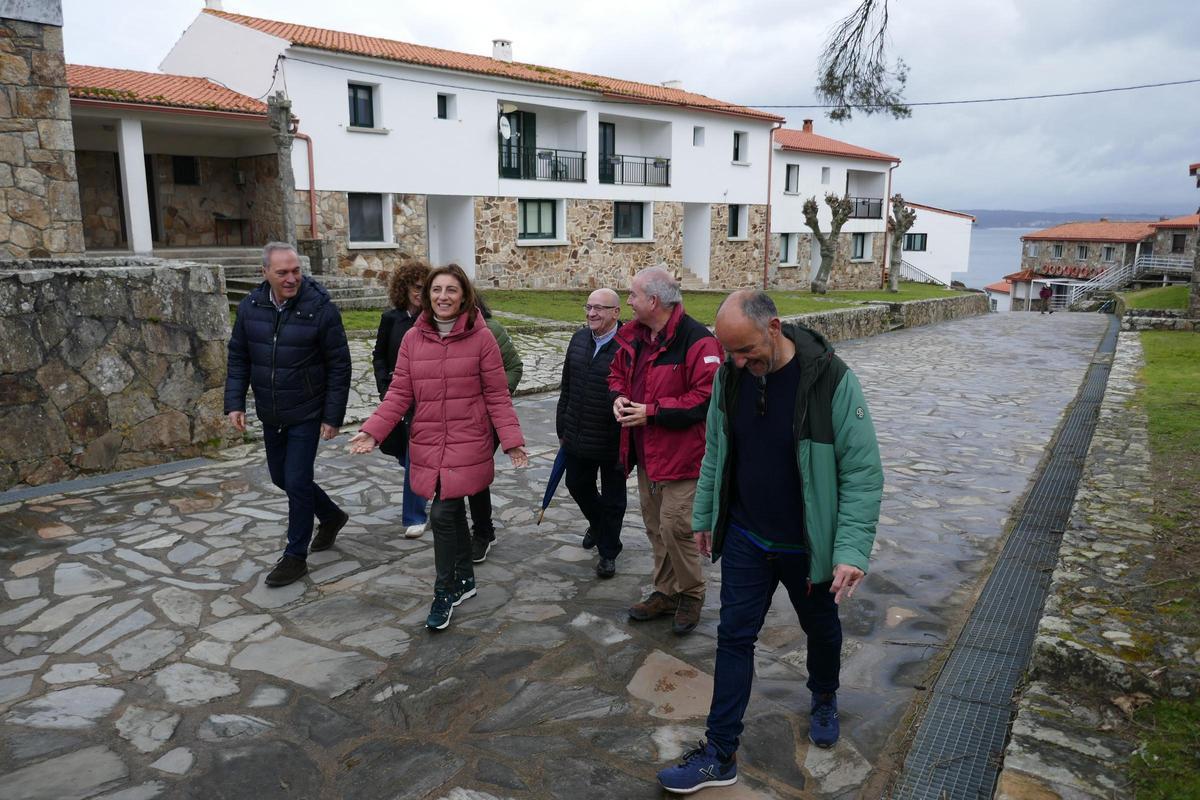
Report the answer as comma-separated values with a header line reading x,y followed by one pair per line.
x,y
288,344
789,492
404,290
1045,294
588,431
483,531
449,373
660,381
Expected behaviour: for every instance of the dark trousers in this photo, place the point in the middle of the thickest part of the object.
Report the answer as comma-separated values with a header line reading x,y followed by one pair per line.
x,y
291,452
481,509
605,509
451,543
749,577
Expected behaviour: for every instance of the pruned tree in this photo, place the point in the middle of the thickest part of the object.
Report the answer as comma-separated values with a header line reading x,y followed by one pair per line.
x,y
841,208
1194,290
899,223
853,73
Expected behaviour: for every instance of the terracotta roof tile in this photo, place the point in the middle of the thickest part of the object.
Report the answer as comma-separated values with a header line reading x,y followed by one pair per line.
x,y
808,142
1099,231
156,89
1024,276
1004,286
939,210
1186,221
390,50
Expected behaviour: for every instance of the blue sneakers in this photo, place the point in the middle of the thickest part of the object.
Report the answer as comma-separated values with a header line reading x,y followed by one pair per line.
x,y
700,769
440,611
466,590
823,727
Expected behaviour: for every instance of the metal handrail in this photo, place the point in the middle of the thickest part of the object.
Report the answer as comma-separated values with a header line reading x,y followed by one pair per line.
x,y
542,163
1115,277
910,272
636,170
866,207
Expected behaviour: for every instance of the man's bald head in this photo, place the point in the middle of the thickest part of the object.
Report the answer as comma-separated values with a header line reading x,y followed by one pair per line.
x,y
603,309
749,330
755,305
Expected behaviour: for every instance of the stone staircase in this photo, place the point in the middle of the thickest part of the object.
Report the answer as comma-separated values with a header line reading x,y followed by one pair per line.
x,y
688,280
243,272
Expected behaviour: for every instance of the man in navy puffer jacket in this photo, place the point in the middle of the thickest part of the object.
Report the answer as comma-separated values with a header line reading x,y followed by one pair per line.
x,y
289,346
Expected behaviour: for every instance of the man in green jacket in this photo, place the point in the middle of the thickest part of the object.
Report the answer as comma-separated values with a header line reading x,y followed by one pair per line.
x,y
789,491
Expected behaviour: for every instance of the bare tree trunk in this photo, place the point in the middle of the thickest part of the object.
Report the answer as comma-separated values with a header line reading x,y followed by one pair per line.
x,y
899,223
820,281
1194,286
840,208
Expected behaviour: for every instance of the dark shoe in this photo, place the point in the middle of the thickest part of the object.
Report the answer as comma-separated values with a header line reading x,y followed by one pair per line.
x,y
440,611
606,568
480,548
656,605
589,539
700,768
466,590
687,616
288,569
327,532
823,729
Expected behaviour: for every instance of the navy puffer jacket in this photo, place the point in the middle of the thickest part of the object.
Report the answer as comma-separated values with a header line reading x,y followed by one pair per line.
x,y
585,419
296,360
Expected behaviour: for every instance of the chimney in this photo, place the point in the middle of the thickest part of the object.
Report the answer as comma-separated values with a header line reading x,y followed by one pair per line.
x,y
502,50
215,5
807,126
672,84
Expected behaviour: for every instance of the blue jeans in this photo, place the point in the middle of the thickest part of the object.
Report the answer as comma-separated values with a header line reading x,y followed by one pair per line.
x,y
749,577
291,452
412,505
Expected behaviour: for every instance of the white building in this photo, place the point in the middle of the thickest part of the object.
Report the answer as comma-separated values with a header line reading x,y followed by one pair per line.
x,y
999,295
806,164
938,243
524,175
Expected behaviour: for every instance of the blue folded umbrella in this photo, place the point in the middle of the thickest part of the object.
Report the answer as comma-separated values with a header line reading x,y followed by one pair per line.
x,y
556,473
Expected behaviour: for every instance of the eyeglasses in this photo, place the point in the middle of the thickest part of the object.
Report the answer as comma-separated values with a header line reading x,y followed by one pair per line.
x,y
589,308
762,396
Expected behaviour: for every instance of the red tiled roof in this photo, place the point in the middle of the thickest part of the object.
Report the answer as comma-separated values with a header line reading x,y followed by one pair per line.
x,y
939,210
156,89
390,50
1100,231
808,142
1004,286
1024,276
1186,221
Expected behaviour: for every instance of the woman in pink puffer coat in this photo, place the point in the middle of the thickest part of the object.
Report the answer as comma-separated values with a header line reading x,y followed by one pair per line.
x,y
449,368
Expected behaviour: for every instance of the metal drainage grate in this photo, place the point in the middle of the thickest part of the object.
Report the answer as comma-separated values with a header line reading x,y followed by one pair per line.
x,y
959,748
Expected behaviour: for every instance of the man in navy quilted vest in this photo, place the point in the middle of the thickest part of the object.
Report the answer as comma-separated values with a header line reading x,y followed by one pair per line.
x,y
289,346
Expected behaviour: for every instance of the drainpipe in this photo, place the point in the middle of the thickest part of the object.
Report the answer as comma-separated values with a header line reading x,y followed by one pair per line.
x,y
312,189
887,239
767,235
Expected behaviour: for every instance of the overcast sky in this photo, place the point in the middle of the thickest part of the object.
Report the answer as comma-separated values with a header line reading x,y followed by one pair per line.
x,y
1123,151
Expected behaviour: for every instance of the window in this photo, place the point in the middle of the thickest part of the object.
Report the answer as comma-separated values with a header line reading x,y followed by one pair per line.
x,y
1109,253
1081,252
825,175
737,221
536,219
788,254
367,217
860,248
446,106
915,242
627,219
697,136
362,105
1178,242
739,146
1058,251
792,181
1031,250
186,170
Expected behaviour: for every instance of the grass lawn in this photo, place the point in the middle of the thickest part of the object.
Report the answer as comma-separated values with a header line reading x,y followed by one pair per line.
x,y
1162,297
1169,766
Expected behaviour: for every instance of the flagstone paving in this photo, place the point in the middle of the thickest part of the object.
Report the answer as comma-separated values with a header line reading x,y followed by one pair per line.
x,y
143,656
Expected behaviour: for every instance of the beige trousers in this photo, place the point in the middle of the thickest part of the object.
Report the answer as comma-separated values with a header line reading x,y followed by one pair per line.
x,y
667,512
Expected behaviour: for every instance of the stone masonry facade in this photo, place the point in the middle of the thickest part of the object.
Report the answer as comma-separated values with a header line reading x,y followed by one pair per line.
x,y
109,364
846,274
1165,242
40,214
1069,262
410,226
738,262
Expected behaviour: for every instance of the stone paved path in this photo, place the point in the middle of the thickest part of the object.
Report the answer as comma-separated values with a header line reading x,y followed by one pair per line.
x,y
143,657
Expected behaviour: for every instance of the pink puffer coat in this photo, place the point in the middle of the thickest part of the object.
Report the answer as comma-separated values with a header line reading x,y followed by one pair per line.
x,y
460,392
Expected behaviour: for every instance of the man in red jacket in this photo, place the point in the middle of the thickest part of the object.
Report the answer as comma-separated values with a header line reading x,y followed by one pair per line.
x,y
660,381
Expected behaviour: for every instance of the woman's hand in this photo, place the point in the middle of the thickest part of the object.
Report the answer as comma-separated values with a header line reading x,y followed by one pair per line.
x,y
518,456
362,442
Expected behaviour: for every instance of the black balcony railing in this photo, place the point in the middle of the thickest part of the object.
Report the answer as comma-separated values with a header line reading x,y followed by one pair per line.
x,y
635,170
866,208
542,163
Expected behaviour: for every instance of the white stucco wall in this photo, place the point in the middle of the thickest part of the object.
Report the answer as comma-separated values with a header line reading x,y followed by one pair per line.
x,y
1002,300
238,57
948,243
787,209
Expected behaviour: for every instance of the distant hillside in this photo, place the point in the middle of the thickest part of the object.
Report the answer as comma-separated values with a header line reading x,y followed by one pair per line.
x,y
1004,218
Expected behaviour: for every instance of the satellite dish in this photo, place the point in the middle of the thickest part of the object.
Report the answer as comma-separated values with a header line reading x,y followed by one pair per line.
x,y
505,129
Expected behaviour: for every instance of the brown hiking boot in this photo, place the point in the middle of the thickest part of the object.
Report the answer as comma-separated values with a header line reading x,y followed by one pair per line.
x,y
656,605
687,616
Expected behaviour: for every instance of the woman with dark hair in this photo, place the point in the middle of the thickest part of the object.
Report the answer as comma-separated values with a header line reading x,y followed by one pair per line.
x,y
449,373
483,531
404,290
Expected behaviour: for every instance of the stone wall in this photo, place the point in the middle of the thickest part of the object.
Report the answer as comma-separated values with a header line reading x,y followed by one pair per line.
x,y
410,226
108,364
40,215
262,199
916,313
1158,319
738,263
185,212
590,258
1069,264
1164,237
873,319
846,274
100,198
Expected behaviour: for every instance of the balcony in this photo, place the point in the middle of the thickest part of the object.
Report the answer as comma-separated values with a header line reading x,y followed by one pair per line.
x,y
635,170
866,208
542,163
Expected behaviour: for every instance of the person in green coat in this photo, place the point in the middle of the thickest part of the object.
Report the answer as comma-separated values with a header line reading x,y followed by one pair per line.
x,y
789,492
483,531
